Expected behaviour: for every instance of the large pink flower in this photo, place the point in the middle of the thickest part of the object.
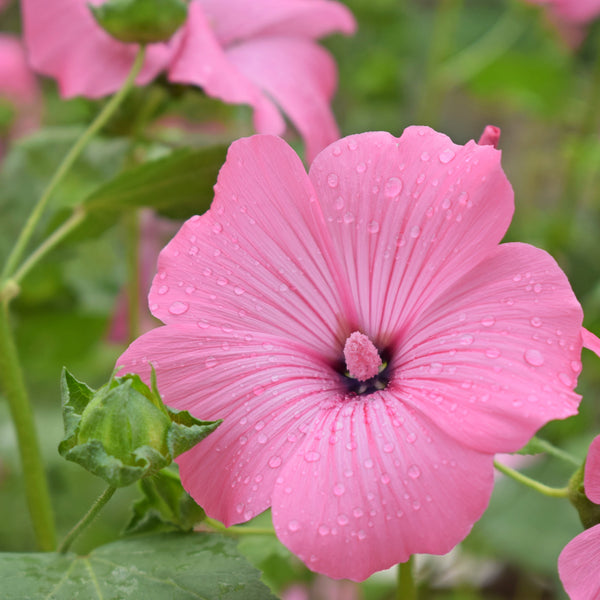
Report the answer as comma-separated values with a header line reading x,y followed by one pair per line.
x,y
578,562
387,252
257,52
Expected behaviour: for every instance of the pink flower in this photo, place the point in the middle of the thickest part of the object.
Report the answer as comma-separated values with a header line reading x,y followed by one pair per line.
x,y
260,52
396,239
578,562
17,85
577,12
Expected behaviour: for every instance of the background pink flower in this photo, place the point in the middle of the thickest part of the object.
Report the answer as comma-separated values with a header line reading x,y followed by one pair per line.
x,y
572,11
394,238
259,52
578,562
18,86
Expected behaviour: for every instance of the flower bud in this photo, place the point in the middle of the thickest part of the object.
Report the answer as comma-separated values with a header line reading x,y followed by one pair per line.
x,y
123,431
141,21
589,512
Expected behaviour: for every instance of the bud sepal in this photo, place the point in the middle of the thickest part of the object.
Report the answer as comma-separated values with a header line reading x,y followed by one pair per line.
x,y
123,431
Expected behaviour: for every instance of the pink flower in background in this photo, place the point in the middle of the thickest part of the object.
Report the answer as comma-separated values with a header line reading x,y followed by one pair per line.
x,y
18,86
578,562
257,52
577,12
390,245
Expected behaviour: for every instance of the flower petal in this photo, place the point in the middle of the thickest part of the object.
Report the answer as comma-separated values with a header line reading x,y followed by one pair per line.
x,y
498,355
368,488
252,261
408,217
236,20
578,565
202,61
65,42
592,472
265,389
300,76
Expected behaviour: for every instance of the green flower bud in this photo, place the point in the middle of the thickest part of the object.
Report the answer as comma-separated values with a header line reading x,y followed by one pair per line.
x,y
141,21
123,431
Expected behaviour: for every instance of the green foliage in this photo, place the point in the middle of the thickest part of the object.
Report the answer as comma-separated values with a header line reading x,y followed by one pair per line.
x,y
165,506
174,566
140,21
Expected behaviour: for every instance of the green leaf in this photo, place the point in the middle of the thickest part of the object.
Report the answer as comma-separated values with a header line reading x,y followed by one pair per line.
x,y
166,506
173,566
177,186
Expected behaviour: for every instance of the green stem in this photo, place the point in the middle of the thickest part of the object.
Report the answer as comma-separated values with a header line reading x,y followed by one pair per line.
x,y
532,483
87,518
77,216
36,485
73,154
406,588
442,37
237,530
475,58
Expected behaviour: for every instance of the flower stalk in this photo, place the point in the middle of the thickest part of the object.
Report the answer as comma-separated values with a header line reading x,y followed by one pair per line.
x,y
532,483
406,588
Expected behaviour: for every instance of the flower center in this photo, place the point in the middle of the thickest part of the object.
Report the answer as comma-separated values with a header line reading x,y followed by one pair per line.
x,y
365,372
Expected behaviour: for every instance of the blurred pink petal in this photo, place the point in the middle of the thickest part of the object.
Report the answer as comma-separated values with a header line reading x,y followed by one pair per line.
x,y
571,11
397,239
65,42
578,562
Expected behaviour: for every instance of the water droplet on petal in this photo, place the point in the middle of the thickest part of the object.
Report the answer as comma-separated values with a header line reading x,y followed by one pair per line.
x,y
217,228
368,463
178,308
348,218
411,438
576,366
343,520
373,227
415,232
293,526
466,340
534,357
385,478
210,362
323,530
414,472
332,180
488,321
536,321
339,203
222,281
338,489
393,187
425,156
492,353
312,456
163,289
446,156
565,379
274,462
361,167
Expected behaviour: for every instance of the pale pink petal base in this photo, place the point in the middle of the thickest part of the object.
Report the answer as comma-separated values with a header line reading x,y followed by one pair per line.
x,y
372,484
578,565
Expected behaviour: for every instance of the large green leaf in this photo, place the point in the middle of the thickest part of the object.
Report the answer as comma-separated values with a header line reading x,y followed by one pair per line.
x,y
177,186
174,566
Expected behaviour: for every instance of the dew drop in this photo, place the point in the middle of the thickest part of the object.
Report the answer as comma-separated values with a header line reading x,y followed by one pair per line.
x,y
361,535
339,203
210,362
373,227
348,218
361,167
411,438
415,232
492,353
217,228
565,379
312,456
385,479
534,357
222,281
336,151
414,472
343,519
323,530
178,308
358,512
446,156
332,180
576,366
368,463
338,489
463,198
274,462
537,288
163,289
388,447
294,526
239,290
466,340
393,187
425,156
488,321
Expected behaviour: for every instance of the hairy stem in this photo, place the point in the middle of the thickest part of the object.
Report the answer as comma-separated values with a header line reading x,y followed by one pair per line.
x,y
532,483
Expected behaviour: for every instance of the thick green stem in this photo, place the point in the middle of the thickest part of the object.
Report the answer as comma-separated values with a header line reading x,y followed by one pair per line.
x,y
532,483
36,485
73,154
406,588
86,519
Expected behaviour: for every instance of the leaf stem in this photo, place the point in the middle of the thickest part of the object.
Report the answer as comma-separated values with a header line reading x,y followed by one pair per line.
x,y
532,483
36,485
237,530
73,154
87,518
406,588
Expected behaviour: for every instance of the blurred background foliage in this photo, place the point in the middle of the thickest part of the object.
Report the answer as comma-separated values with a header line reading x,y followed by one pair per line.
x,y
456,65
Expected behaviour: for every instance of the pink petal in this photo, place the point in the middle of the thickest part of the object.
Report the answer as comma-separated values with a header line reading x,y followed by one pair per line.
x,y
578,565
202,61
498,355
590,341
266,390
17,82
592,472
235,20
407,218
65,42
300,76
368,488
252,261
